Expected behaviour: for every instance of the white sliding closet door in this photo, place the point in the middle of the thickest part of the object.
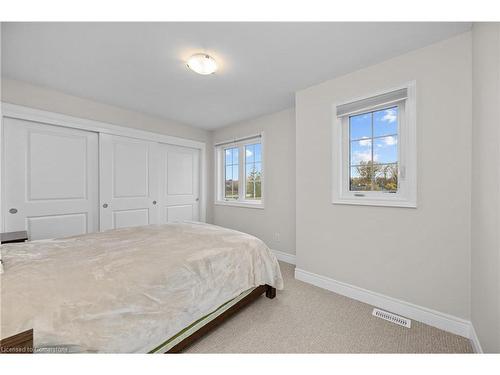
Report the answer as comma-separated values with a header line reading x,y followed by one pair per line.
x,y
180,183
51,179
129,181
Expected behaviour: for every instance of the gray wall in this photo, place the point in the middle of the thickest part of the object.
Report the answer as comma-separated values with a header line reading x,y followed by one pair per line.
x,y
417,255
21,93
278,216
485,185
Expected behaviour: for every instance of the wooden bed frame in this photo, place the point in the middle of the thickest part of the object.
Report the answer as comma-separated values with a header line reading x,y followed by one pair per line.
x,y
23,342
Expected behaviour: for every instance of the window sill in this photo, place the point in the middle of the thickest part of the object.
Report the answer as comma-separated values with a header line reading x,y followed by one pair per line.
x,y
259,205
376,202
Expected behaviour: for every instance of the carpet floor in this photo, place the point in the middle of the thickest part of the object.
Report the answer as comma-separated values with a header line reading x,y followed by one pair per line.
x,y
307,319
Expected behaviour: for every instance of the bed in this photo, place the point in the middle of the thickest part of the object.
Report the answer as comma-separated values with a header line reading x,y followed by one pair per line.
x,y
146,289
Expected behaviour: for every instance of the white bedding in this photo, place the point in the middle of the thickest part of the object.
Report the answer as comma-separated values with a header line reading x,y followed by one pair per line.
x,y
127,290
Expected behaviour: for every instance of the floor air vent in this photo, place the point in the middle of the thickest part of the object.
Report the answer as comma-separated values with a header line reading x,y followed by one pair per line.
x,y
392,318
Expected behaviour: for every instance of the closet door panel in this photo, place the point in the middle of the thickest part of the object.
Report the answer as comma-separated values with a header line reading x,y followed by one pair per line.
x,y
50,179
180,179
67,225
131,169
130,218
180,213
129,176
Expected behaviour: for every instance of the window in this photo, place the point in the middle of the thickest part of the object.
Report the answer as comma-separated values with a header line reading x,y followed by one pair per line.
x,y
231,179
373,142
239,173
376,150
253,171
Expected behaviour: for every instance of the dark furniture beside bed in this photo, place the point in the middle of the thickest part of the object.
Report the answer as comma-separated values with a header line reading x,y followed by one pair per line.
x,y
12,237
22,343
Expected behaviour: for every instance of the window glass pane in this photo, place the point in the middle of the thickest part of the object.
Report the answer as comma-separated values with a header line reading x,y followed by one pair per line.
x,y
386,177
385,150
361,177
253,180
231,173
258,189
250,153
385,122
374,157
361,151
360,126
228,182
235,182
235,155
250,185
235,173
228,190
253,184
258,152
228,159
253,171
250,181
250,169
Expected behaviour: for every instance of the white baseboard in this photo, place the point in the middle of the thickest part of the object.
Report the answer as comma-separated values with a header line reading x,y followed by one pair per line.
x,y
284,257
476,345
433,318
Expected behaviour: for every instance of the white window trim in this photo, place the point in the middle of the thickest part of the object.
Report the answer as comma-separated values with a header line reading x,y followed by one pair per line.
x,y
219,173
407,139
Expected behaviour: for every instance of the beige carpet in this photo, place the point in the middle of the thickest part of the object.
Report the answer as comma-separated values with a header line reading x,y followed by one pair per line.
x,y
306,319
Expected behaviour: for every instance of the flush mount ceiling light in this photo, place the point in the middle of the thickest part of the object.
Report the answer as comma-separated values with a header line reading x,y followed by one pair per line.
x,y
202,63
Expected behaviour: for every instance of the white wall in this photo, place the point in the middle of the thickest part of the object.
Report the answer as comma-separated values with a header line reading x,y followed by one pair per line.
x,y
38,97
418,255
278,216
25,94
486,185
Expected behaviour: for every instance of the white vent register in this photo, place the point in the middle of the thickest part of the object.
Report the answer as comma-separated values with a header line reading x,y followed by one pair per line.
x,y
390,317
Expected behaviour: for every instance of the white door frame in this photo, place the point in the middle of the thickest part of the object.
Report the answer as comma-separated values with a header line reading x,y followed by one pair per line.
x,y
51,118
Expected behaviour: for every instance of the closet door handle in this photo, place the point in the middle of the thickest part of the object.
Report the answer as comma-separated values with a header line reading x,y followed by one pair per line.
x,y
105,205
154,202
197,199
13,211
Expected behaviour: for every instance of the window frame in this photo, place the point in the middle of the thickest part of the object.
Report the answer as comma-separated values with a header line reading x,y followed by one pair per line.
x,y
241,201
406,196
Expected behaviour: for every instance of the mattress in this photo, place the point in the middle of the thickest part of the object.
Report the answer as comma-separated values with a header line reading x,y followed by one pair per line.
x,y
130,289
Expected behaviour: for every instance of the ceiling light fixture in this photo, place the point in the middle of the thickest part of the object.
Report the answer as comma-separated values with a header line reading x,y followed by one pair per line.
x,y
202,63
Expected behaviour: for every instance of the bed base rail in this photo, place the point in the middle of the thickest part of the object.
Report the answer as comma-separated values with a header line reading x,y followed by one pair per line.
x,y
256,293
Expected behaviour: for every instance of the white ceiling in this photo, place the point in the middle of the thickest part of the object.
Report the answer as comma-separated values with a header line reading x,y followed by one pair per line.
x,y
141,66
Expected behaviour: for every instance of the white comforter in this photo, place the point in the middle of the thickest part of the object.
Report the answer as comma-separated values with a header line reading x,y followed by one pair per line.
x,y
127,290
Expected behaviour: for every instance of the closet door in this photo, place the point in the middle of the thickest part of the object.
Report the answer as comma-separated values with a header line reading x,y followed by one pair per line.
x,y
129,177
51,179
180,183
